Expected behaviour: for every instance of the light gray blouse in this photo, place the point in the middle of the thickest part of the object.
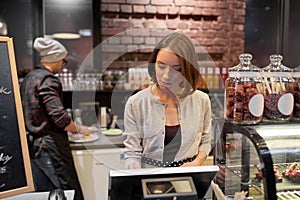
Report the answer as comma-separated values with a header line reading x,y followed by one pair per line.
x,y
144,121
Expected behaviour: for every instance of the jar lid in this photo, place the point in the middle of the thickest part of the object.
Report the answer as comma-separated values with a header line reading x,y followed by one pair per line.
x,y
245,68
276,68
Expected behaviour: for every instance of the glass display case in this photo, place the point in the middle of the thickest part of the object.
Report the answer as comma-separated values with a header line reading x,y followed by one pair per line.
x,y
263,159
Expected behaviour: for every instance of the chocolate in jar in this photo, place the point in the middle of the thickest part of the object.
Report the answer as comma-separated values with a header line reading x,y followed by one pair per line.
x,y
237,102
296,111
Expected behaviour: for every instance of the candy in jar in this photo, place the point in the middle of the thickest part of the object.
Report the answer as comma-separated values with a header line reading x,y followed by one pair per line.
x,y
278,91
244,101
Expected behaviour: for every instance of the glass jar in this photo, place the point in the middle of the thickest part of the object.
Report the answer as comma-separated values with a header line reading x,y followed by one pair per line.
x,y
278,91
296,111
244,100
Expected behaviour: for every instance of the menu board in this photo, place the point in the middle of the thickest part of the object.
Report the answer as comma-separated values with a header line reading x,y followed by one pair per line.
x,y
15,169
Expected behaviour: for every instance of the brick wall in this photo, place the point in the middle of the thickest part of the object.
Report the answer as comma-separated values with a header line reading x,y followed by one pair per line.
x,y
131,28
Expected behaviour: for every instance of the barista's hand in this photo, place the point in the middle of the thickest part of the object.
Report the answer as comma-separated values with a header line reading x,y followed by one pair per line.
x,y
84,130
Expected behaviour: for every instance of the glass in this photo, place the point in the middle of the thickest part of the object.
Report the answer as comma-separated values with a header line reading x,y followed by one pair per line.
x,y
250,156
296,111
243,93
278,91
71,23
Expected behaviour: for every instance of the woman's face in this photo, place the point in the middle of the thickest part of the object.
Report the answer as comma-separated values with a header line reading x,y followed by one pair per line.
x,y
168,70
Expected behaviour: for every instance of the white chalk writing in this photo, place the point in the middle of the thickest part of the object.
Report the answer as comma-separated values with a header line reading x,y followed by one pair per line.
x,y
4,90
5,158
3,170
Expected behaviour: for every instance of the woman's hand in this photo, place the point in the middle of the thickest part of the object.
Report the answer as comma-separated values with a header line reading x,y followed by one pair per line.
x,y
199,160
195,162
132,164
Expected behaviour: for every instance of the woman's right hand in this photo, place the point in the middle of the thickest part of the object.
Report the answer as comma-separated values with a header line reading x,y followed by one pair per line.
x,y
132,164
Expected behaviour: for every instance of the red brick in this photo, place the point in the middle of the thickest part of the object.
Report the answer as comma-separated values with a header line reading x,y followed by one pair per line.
x,y
144,2
103,7
140,32
161,24
185,10
149,24
185,2
150,9
112,1
139,9
195,25
122,23
126,8
197,11
113,7
162,9
183,25
220,41
132,48
208,11
111,31
146,48
150,40
172,24
126,40
172,10
159,32
114,40
192,33
207,4
138,40
162,2
114,48
217,26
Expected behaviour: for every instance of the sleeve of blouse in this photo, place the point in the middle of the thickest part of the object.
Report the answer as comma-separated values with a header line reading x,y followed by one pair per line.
x,y
132,141
50,96
206,135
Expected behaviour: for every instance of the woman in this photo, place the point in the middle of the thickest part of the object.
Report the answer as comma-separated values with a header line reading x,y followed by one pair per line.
x,y
169,123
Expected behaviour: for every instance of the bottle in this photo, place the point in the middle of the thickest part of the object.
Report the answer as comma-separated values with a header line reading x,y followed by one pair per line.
x,y
210,78
216,78
103,118
278,91
244,101
132,80
77,116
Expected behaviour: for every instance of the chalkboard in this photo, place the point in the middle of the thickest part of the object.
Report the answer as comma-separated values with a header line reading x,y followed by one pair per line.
x,y
15,168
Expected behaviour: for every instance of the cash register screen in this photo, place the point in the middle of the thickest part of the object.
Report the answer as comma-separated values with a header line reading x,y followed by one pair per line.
x,y
160,188
127,184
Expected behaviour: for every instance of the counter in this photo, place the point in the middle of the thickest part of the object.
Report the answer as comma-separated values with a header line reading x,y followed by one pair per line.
x,y
93,162
103,142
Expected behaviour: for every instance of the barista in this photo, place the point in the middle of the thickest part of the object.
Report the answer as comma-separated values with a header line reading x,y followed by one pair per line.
x,y
47,122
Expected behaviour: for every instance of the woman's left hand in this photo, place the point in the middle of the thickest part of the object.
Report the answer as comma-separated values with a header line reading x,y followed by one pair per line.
x,y
195,162
200,158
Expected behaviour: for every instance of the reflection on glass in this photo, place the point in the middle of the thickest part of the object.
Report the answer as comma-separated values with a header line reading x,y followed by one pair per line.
x,y
70,22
